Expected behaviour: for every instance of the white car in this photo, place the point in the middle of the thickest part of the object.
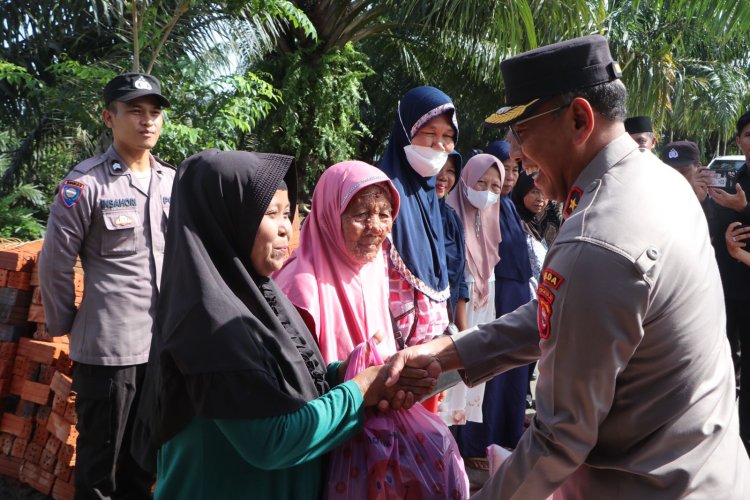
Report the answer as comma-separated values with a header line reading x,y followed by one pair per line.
x,y
727,162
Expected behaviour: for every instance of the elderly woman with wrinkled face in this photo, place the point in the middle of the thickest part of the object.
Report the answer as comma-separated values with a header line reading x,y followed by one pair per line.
x,y
337,278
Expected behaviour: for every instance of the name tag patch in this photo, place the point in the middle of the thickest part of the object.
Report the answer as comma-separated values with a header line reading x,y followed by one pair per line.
x,y
117,203
71,192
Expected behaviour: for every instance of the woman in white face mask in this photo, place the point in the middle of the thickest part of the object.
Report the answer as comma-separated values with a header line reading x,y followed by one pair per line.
x,y
475,199
423,134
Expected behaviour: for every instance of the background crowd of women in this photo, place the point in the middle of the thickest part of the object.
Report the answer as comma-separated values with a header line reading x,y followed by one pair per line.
x,y
251,347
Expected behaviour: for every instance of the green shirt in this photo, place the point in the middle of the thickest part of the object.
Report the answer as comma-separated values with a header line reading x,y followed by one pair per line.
x,y
275,458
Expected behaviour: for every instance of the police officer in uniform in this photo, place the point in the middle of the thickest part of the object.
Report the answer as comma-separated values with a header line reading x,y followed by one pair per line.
x,y
111,210
635,396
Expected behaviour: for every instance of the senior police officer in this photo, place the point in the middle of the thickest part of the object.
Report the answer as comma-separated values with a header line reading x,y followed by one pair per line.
x,y
635,396
111,210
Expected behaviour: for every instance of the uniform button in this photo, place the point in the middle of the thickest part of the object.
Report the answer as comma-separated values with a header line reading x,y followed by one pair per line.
x,y
652,253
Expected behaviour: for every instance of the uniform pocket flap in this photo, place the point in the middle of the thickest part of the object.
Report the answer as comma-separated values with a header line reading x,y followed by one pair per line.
x,y
121,220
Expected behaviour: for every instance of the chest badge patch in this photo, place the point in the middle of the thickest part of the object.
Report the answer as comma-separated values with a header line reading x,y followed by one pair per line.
x,y
71,192
574,198
123,220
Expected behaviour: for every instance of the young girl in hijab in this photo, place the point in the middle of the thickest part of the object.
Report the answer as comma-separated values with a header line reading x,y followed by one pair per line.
x,y
531,204
455,246
338,277
424,133
476,202
244,402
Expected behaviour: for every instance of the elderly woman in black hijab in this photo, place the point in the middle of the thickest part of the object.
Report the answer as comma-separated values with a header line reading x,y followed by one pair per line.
x,y
244,404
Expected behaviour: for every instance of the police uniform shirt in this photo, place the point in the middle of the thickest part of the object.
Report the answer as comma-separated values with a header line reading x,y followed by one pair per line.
x,y
118,228
635,397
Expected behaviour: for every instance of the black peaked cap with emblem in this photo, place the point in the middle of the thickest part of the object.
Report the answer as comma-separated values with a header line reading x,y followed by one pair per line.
x,y
638,124
534,76
129,86
680,154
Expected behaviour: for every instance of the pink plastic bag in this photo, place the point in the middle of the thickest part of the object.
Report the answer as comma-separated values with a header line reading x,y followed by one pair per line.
x,y
405,454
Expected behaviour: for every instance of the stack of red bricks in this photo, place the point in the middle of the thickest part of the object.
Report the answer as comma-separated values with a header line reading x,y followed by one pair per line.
x,y
17,262
37,426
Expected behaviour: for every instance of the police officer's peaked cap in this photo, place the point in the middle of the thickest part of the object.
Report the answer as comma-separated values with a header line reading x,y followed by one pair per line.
x,y
548,71
638,124
680,154
131,86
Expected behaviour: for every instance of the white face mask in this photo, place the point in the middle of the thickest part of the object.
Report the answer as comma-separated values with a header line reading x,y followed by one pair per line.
x,y
481,199
425,161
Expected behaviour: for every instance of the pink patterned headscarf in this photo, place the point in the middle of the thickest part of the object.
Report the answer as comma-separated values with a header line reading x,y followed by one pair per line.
x,y
481,227
346,302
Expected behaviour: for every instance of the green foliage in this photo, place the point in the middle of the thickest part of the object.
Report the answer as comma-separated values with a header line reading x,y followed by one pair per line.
x,y
319,120
17,219
214,112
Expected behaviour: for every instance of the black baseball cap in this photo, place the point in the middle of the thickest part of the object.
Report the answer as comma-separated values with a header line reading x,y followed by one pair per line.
x,y
638,124
129,86
534,76
680,154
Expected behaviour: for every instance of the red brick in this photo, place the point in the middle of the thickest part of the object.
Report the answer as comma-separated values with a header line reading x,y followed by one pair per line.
x,y
61,384
36,314
9,466
19,280
18,426
63,490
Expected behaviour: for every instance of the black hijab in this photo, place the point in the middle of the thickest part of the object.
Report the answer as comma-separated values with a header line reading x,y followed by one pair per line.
x,y
525,184
228,344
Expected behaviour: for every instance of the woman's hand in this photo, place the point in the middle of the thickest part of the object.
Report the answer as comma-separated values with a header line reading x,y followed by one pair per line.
x,y
735,237
372,384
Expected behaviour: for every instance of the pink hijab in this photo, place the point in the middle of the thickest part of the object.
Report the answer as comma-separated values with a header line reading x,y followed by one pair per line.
x,y
346,302
481,228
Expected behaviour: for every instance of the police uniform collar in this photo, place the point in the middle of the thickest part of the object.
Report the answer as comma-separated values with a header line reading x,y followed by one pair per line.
x,y
610,155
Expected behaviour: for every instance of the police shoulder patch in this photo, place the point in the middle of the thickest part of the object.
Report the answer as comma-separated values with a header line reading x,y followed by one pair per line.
x,y
71,192
545,298
551,278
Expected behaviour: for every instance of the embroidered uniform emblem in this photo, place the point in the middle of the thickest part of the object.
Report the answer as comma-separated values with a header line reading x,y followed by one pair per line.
x,y
545,294
142,84
544,311
123,220
116,167
573,199
673,154
551,278
71,192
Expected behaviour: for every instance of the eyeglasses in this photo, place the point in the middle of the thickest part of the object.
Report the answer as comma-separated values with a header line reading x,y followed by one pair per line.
x,y
513,127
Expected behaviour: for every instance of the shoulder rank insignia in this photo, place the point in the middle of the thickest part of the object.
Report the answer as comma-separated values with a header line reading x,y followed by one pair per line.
x,y
71,192
573,199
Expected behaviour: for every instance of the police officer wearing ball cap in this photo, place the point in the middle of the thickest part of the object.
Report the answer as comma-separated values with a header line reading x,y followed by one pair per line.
x,y
641,130
111,210
635,396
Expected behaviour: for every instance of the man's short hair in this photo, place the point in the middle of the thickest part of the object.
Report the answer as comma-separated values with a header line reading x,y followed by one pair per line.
x,y
606,98
742,122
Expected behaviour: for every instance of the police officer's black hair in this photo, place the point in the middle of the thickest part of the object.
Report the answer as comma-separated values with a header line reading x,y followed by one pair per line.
x,y
742,122
112,107
606,98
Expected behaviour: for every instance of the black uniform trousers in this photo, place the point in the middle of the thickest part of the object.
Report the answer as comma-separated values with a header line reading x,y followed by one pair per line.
x,y
106,403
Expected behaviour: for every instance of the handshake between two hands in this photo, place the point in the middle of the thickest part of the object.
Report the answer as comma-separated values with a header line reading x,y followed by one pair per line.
x,y
403,380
